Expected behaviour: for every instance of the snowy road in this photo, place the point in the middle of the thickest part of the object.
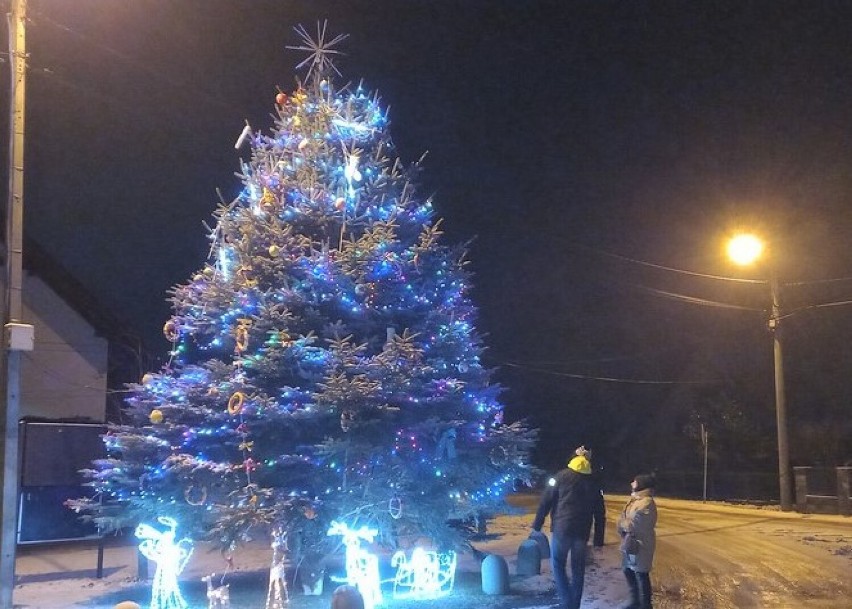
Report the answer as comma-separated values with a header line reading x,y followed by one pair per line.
x,y
721,557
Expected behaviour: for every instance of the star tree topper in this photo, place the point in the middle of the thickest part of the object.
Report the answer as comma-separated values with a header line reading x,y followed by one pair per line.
x,y
319,50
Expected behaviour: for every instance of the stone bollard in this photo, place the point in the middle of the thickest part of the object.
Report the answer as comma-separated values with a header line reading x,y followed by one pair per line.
x,y
543,544
495,575
529,558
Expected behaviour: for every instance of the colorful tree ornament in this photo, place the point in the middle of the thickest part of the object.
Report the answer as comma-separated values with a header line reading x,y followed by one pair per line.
x,y
235,403
170,331
195,494
156,416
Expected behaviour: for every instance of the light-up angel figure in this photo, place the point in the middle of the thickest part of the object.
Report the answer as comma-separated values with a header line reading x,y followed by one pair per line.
x,y
171,557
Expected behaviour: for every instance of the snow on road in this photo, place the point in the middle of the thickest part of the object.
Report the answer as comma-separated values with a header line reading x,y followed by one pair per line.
x,y
729,557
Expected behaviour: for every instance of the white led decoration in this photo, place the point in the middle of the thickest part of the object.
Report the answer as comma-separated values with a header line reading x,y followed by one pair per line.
x,y
426,575
362,567
171,557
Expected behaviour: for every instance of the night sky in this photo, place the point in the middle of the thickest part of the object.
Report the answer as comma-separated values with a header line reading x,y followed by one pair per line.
x,y
558,133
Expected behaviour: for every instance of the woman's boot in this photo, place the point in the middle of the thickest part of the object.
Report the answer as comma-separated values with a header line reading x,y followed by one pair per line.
x,y
633,584
644,582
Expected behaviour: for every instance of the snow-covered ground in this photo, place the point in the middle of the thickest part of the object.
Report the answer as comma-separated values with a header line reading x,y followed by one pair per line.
x,y
710,556
61,577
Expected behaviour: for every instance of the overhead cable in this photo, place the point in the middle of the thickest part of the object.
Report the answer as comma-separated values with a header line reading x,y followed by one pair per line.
x,y
606,379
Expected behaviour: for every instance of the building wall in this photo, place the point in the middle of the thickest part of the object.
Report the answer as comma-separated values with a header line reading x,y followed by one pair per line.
x,y
65,376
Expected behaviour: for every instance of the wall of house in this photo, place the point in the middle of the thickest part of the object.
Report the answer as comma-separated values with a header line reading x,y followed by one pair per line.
x,y
65,376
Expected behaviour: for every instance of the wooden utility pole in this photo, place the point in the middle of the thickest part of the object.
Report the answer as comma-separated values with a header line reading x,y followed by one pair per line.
x,y
784,474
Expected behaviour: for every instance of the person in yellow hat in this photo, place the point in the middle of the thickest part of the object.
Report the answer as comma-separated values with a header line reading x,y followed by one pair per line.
x,y
570,501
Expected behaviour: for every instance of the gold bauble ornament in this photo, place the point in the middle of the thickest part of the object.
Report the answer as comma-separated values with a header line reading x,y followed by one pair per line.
x,y
147,378
156,416
235,403
170,331
274,250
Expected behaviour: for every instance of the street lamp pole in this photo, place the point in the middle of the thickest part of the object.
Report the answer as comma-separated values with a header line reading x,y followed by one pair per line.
x,y
744,249
13,314
784,476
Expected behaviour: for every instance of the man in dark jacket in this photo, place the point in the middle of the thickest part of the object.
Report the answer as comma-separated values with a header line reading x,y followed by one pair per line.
x,y
570,500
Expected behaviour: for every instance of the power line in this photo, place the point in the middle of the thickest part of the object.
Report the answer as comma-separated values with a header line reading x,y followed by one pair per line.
x,y
596,360
705,275
668,268
823,305
606,379
693,299
817,281
128,60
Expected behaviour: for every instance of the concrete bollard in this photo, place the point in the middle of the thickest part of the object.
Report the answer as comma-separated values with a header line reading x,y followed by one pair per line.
x,y
529,558
495,575
543,543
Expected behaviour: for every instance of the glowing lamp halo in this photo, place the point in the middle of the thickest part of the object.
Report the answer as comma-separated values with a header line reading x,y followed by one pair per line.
x,y
745,248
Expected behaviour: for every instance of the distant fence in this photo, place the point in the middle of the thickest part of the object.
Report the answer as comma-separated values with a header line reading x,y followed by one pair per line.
x,y
818,489
727,486
823,490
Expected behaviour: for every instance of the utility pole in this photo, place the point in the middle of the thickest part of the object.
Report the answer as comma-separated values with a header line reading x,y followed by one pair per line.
x,y
13,313
705,439
784,476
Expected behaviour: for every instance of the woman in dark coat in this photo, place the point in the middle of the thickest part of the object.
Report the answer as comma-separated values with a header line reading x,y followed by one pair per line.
x,y
636,525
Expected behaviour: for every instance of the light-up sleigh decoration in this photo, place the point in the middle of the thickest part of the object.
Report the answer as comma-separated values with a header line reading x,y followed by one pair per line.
x,y
426,575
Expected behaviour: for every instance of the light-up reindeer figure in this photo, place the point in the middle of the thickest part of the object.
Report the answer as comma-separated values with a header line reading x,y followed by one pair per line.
x,y
362,567
276,594
218,597
171,557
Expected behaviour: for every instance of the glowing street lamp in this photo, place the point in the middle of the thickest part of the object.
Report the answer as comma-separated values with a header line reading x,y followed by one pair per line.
x,y
744,249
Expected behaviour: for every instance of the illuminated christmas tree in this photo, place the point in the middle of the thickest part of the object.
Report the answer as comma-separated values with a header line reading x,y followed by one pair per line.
x,y
325,363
